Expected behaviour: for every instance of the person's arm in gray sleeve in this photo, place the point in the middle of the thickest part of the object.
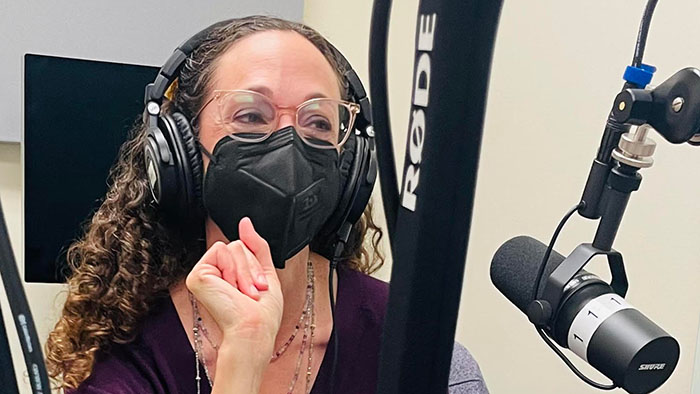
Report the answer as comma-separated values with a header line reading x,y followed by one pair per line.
x,y
465,375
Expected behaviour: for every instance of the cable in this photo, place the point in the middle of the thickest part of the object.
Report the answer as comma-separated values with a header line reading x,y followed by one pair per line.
x,y
334,332
548,252
643,32
379,34
571,365
540,331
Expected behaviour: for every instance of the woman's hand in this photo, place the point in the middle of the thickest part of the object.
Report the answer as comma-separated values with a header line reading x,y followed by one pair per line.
x,y
238,285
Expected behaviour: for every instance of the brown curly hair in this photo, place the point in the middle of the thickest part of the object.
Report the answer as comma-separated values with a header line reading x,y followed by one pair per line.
x,y
128,256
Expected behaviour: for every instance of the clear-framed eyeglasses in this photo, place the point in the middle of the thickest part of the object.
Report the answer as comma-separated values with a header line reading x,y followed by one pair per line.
x,y
249,116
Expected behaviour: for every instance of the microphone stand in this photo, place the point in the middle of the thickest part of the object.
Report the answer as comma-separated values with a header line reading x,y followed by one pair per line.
x,y
381,13
22,317
454,47
637,75
673,110
7,369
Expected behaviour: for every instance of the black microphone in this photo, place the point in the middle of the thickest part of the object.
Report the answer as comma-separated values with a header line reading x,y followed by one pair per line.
x,y
591,320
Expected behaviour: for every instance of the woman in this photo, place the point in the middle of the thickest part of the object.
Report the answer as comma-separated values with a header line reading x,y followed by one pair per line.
x,y
152,308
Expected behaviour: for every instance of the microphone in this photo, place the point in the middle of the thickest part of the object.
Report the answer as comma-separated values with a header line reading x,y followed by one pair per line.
x,y
591,319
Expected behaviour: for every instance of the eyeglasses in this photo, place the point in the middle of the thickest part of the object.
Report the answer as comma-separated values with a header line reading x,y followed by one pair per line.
x,y
249,116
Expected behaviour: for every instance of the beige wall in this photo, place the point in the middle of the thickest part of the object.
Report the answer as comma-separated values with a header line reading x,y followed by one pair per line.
x,y
557,67
536,152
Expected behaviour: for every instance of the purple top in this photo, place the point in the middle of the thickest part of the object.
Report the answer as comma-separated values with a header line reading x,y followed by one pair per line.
x,y
161,359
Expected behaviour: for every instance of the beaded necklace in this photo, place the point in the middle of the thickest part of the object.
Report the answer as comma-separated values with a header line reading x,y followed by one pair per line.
x,y
307,320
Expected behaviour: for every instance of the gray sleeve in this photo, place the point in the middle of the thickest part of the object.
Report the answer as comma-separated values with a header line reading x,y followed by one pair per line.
x,y
465,375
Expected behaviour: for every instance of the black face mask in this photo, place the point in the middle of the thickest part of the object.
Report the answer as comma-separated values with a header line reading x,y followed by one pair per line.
x,y
287,188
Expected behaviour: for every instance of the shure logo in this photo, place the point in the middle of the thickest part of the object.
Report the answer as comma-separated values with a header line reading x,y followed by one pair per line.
x,y
416,137
652,367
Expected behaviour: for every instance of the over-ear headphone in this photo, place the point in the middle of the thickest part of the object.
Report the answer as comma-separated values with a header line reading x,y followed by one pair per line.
x,y
174,164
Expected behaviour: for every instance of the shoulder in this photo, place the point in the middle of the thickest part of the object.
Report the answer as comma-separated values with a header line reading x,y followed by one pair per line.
x,y
375,287
370,294
465,375
148,364
115,372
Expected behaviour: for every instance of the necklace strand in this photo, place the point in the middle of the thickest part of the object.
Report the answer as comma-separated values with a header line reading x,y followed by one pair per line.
x,y
309,316
311,340
289,341
198,348
307,320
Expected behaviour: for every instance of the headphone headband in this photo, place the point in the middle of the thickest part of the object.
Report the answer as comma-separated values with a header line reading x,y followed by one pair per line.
x,y
171,69
167,74
357,91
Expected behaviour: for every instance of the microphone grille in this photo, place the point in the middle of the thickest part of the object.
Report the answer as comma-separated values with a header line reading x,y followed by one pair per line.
x,y
515,265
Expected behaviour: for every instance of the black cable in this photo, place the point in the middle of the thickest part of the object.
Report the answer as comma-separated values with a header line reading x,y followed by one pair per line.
x,y
571,365
540,331
334,332
643,32
379,34
548,252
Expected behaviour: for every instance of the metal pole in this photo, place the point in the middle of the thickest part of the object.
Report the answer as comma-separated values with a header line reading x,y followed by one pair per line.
x,y
21,314
454,47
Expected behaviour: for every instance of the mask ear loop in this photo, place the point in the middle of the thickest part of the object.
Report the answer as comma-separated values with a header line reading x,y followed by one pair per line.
x,y
205,151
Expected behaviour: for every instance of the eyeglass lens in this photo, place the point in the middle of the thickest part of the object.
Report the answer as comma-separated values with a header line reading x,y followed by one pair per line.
x,y
321,122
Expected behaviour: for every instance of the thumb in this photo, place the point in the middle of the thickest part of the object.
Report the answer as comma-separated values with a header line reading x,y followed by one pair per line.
x,y
256,244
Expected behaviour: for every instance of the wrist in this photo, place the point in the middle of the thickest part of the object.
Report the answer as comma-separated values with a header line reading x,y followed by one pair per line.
x,y
237,370
246,353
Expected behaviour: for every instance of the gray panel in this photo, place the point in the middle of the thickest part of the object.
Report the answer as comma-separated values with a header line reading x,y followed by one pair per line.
x,y
125,31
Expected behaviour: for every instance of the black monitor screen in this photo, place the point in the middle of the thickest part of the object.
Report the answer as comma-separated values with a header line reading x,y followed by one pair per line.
x,y
77,113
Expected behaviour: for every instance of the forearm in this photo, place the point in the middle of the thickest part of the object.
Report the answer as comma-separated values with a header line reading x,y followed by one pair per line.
x,y
236,374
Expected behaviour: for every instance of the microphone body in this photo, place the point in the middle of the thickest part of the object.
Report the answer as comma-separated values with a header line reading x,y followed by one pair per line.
x,y
591,320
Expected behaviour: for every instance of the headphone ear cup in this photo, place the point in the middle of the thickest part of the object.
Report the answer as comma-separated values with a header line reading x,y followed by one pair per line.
x,y
192,160
349,168
182,203
160,167
363,184
354,165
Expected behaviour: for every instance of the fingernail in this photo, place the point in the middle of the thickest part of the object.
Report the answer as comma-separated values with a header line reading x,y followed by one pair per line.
x,y
253,290
262,279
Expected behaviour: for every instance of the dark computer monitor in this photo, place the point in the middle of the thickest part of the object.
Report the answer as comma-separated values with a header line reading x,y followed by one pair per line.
x,y
77,113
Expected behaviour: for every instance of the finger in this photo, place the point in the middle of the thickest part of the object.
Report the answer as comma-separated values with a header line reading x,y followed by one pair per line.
x,y
257,244
209,275
244,279
207,266
224,261
256,270
210,255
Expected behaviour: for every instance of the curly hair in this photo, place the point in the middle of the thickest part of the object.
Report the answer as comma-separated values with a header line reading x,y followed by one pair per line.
x,y
128,256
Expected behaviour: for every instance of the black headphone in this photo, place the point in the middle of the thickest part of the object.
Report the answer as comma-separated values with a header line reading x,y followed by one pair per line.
x,y
174,164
